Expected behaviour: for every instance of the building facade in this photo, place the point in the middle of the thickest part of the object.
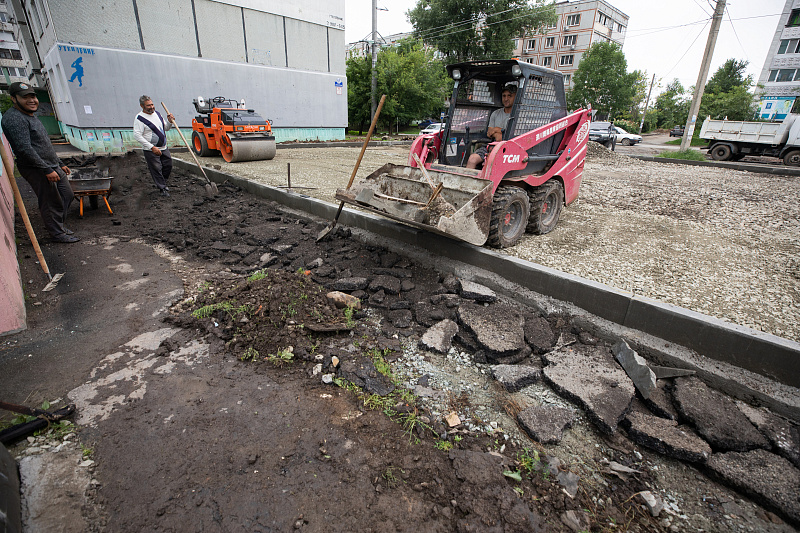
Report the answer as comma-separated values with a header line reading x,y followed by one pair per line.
x,y
11,60
96,57
780,75
579,24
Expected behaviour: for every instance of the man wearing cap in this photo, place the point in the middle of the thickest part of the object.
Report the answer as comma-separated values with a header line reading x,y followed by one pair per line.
x,y
150,129
37,161
497,124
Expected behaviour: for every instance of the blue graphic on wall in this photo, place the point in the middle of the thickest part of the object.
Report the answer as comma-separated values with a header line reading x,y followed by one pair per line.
x,y
78,66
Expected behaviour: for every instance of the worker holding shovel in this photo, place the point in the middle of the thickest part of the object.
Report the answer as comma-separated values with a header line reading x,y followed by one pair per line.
x,y
150,129
37,161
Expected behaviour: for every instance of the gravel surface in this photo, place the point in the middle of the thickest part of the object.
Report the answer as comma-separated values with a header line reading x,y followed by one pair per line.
x,y
720,242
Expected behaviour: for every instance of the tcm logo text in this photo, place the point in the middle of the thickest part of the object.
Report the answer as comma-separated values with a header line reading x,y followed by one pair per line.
x,y
511,158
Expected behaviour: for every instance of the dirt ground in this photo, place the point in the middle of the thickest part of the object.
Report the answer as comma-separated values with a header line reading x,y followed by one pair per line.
x,y
195,337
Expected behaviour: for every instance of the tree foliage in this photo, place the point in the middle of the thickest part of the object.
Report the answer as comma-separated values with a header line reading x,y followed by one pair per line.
x,y
415,85
603,82
727,93
465,30
672,106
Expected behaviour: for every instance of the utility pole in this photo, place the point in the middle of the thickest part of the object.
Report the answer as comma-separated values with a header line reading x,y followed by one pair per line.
x,y
701,78
374,91
647,104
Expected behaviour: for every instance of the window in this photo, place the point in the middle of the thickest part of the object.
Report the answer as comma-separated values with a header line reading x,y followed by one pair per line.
x,y
531,44
569,40
3,17
567,78
794,18
33,12
552,24
573,20
605,20
549,42
547,61
785,74
620,28
566,60
789,46
516,43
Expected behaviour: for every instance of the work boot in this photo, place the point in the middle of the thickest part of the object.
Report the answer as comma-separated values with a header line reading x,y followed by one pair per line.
x,y
68,231
66,238
165,193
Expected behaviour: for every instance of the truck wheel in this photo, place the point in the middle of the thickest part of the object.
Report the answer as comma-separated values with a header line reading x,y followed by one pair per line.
x,y
510,210
200,145
546,202
721,152
792,158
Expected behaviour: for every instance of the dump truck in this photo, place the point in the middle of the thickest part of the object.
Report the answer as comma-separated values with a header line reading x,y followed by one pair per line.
x,y
226,127
731,140
525,180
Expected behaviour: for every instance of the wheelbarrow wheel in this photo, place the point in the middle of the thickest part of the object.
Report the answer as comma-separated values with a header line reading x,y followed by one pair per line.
x,y
510,210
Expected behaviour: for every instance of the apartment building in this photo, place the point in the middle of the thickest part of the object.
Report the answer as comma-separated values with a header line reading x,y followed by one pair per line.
x,y
11,60
96,57
780,75
579,24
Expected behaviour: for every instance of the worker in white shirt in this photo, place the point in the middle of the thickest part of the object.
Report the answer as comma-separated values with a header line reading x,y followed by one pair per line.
x,y
150,129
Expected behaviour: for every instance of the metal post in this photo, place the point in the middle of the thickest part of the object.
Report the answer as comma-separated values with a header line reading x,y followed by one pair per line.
x,y
701,78
647,104
374,58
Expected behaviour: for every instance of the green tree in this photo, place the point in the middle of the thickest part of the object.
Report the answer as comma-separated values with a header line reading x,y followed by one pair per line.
x,y
464,30
415,84
727,93
603,82
672,106
640,86
359,97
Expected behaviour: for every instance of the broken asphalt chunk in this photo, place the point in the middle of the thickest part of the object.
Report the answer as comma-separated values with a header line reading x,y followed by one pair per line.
x,y
783,435
497,328
516,377
716,417
636,367
667,438
539,334
439,337
590,376
545,423
479,293
771,480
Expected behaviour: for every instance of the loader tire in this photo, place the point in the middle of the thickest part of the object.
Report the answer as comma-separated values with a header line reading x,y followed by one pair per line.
x,y
792,158
721,152
510,210
200,145
546,202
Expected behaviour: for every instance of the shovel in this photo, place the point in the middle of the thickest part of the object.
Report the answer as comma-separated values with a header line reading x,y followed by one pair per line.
x,y
325,232
9,168
211,187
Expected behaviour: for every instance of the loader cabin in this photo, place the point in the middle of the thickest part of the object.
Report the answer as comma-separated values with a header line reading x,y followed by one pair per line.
x,y
477,92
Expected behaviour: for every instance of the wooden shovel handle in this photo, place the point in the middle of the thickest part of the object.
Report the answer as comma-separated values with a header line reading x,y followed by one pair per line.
x,y
186,143
8,165
366,141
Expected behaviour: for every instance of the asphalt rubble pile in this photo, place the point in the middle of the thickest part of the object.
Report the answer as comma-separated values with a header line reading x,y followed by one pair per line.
x,y
457,340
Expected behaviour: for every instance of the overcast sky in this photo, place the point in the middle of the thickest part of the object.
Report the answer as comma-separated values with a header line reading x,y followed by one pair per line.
x,y
664,37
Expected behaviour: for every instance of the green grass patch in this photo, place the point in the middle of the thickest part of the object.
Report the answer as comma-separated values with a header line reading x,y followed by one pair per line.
x,y
689,154
696,141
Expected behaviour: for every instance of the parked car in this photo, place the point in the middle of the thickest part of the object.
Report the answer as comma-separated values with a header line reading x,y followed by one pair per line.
x,y
677,131
425,123
627,139
436,127
603,133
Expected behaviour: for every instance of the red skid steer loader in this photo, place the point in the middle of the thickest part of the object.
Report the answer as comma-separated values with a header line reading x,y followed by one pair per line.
x,y
525,179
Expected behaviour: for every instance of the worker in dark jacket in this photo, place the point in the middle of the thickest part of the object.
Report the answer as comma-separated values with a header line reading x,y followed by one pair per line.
x,y
37,161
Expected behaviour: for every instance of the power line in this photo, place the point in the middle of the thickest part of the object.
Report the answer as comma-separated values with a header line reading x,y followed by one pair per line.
x,y
728,11
687,50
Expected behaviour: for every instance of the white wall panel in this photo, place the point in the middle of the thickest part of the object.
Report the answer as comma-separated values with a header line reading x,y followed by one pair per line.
x,y
168,26
99,22
220,29
265,43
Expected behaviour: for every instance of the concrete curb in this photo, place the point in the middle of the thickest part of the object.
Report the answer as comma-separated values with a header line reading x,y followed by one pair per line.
x,y
768,355
781,170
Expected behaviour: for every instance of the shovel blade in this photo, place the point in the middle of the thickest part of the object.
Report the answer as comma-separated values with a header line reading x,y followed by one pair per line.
x,y
53,282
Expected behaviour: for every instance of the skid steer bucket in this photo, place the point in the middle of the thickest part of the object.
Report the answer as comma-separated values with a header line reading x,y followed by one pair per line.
x,y
461,210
